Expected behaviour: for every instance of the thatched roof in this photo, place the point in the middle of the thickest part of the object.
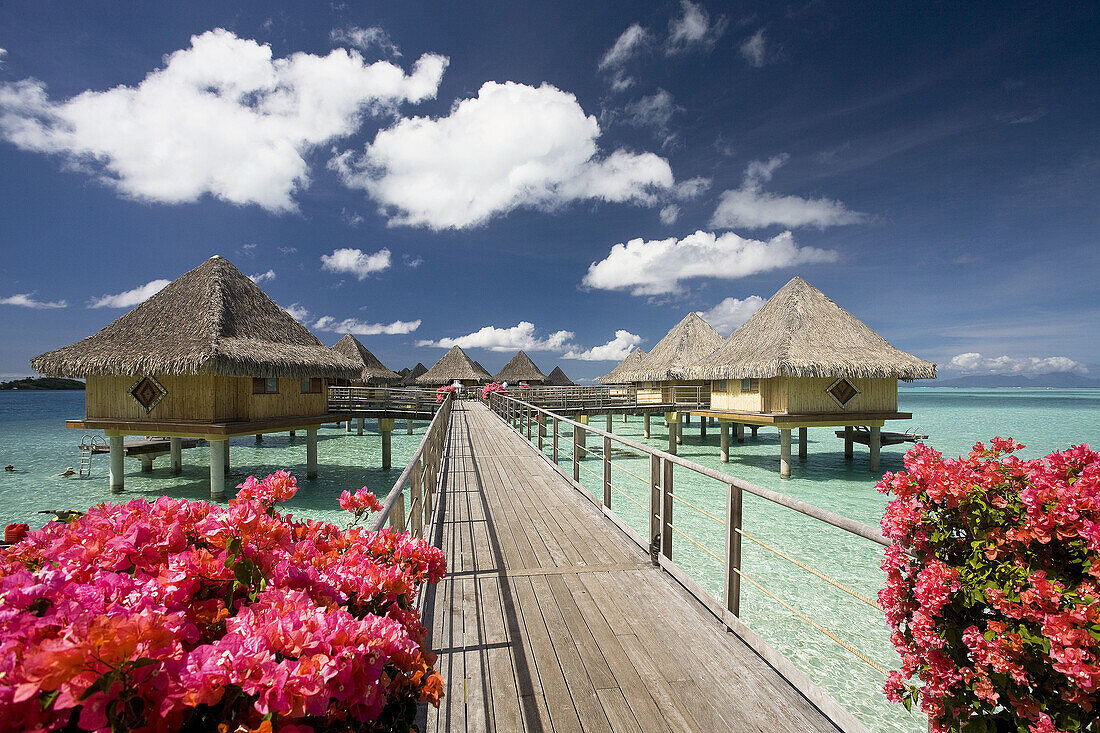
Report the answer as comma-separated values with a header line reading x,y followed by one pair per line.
x,y
800,332
682,348
412,374
210,320
557,378
520,369
631,362
478,365
374,372
454,365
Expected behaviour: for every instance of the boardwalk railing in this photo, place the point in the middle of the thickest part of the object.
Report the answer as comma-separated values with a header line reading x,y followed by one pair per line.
x,y
626,396
421,477
667,526
381,399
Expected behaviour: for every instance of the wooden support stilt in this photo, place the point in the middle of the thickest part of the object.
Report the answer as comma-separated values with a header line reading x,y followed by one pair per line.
x,y
702,427
259,437
359,426
311,452
784,453
218,451
582,438
672,419
408,427
146,463
116,481
225,463
645,425
739,431
754,430
724,442
385,426
293,433
849,435
610,428
875,443
176,455
803,440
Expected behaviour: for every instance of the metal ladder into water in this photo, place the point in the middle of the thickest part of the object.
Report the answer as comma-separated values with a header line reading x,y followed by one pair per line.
x,y
87,443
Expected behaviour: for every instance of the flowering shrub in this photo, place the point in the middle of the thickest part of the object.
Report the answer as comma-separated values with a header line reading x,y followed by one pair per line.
x,y
490,388
186,615
993,588
442,392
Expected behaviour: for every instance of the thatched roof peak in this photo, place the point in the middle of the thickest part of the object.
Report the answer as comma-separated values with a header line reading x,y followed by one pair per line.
x,y
520,369
682,348
801,332
630,363
557,378
455,364
374,372
210,320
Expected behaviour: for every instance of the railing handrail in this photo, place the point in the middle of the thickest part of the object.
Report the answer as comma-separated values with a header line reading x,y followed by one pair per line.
x,y
443,414
837,520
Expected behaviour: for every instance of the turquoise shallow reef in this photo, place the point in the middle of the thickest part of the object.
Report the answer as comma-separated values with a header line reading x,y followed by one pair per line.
x,y
33,438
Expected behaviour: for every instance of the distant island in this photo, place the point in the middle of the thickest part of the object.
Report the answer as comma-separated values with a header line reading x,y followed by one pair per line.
x,y
1062,380
42,383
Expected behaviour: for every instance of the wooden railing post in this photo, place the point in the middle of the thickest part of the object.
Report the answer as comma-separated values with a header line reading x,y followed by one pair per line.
x,y
397,514
540,422
555,439
654,507
666,509
529,410
733,550
576,455
417,499
606,472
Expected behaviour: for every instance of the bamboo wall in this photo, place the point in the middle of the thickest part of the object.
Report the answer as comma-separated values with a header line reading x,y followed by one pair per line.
x,y
663,393
804,395
202,397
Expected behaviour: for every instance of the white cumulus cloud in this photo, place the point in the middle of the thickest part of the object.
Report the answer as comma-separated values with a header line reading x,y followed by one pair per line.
x,y
669,214
222,117
261,277
512,146
520,336
356,262
616,349
297,311
633,41
730,313
658,266
974,363
754,208
3,53
362,328
25,300
129,298
364,39
755,49
693,29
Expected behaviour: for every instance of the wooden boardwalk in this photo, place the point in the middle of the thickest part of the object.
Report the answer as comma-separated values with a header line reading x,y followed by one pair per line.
x,y
550,618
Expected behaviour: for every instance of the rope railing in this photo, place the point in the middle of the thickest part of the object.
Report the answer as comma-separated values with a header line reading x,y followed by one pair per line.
x,y
522,415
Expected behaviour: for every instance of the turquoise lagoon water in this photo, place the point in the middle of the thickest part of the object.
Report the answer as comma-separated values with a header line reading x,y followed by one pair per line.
x,y
34,439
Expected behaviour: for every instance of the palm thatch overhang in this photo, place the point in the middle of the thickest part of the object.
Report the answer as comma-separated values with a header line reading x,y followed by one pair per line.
x,y
801,332
210,320
683,347
373,371
520,369
454,365
557,378
478,365
630,363
411,375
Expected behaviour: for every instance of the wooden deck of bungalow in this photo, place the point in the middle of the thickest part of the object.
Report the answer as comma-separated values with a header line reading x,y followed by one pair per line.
x,y
551,618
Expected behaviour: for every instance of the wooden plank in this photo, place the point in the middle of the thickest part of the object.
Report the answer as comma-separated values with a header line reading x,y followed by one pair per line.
x,y
594,663
617,710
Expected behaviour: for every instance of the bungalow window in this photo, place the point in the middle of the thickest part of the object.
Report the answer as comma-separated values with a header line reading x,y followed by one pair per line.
x,y
311,385
265,385
750,386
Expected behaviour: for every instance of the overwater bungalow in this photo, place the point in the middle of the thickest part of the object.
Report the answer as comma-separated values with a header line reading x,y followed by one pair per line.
x,y
374,373
454,366
410,375
210,356
802,361
630,363
520,369
557,378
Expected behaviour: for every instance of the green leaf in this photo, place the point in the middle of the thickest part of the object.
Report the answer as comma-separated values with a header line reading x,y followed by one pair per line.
x,y
105,682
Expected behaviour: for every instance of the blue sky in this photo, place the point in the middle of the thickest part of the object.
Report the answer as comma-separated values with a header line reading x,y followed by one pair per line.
x,y
568,178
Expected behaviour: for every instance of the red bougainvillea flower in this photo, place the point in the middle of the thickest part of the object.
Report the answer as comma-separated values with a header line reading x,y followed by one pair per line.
x,y
186,615
993,587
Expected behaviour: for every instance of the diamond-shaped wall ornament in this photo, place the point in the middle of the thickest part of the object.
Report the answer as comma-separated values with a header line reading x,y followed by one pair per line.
x,y
842,391
148,392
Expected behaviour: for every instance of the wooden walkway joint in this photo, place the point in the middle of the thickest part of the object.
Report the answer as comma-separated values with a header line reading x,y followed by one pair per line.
x,y
551,619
